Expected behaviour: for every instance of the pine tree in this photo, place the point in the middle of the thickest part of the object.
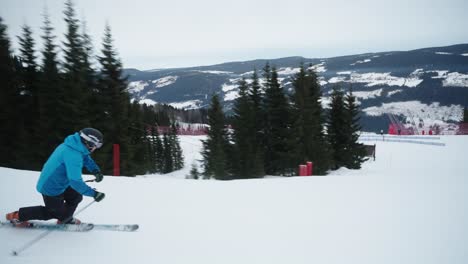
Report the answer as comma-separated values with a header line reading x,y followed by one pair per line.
x,y
244,134
308,122
215,146
277,127
356,151
9,99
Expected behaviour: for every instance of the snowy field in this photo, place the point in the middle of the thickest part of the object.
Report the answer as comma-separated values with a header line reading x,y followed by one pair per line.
x,y
408,206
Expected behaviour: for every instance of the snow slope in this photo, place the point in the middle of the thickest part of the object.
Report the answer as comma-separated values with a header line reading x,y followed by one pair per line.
x,y
408,206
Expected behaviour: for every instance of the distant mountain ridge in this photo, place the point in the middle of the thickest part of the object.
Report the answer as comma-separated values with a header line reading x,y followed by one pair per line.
x,y
425,86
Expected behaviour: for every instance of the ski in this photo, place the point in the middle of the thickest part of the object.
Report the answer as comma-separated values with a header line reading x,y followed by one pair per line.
x,y
75,228
48,226
110,227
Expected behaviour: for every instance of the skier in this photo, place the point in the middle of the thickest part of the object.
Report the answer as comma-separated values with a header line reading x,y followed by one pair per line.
x,y
61,184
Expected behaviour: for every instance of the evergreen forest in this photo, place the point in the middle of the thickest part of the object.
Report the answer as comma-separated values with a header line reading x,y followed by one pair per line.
x,y
271,131
52,90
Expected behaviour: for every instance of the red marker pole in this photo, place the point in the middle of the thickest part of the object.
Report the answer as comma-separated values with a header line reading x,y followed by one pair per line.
x,y
309,168
116,160
302,170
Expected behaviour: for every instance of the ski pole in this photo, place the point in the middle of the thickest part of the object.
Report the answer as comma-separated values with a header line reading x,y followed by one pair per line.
x,y
47,232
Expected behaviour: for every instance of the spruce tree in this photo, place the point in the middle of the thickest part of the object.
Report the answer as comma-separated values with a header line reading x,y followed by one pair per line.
x,y
49,94
73,114
244,135
215,146
92,92
267,146
9,99
159,152
176,150
308,122
137,156
298,116
152,149
256,98
356,152
29,72
115,101
88,55
29,103
155,146
277,127
168,160
337,132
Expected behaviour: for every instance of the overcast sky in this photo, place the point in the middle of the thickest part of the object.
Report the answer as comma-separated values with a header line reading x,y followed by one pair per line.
x,y
153,34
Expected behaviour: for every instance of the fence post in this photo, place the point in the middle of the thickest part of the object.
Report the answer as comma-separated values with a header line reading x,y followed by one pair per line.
x,y
116,160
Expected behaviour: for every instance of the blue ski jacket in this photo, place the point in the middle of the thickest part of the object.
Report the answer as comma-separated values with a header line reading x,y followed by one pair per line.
x,y
63,168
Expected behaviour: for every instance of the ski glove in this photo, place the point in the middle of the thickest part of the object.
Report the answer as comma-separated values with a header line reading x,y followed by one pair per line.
x,y
98,196
99,176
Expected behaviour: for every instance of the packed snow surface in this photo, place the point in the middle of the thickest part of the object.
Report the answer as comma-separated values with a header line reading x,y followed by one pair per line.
x,y
408,206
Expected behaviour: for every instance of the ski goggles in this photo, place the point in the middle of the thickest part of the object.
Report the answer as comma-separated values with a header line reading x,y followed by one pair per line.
x,y
91,141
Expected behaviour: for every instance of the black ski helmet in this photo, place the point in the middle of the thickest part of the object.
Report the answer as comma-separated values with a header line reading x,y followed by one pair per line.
x,y
91,137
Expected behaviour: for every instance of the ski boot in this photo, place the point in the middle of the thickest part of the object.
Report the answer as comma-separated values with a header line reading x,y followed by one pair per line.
x,y
14,220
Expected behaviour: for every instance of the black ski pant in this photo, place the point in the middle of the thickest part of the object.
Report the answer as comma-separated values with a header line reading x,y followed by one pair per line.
x,y
60,207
